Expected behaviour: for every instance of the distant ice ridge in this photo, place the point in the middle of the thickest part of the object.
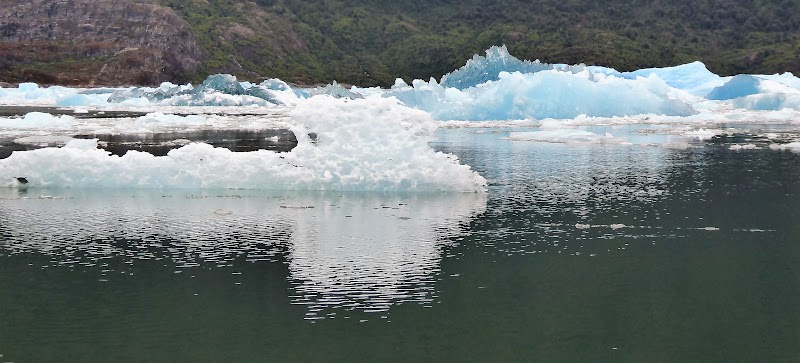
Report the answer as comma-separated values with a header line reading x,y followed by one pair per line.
x,y
216,90
31,93
544,94
496,86
502,87
362,145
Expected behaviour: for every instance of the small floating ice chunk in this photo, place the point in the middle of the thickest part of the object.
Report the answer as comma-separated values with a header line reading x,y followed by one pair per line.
x,y
180,142
744,147
564,136
82,144
792,146
702,134
292,206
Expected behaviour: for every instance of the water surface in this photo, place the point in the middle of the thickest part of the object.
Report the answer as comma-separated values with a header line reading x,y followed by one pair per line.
x,y
575,253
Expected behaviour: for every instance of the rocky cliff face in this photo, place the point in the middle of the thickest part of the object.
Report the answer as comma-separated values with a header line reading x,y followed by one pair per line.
x,y
95,42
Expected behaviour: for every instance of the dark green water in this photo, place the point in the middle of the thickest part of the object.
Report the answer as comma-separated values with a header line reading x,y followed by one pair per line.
x,y
576,253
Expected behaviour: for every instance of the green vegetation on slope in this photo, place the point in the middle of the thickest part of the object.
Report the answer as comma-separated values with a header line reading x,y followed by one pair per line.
x,y
372,42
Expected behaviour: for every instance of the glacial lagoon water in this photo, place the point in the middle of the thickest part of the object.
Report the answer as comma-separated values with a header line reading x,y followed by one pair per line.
x,y
588,252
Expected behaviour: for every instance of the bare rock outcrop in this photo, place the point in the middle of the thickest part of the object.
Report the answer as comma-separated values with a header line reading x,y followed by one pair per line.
x,y
95,42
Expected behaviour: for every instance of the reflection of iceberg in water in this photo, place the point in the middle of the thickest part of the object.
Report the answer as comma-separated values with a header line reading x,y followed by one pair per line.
x,y
354,251
84,228
369,254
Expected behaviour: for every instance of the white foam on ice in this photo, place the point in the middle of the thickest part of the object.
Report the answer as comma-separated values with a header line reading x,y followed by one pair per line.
x,y
375,145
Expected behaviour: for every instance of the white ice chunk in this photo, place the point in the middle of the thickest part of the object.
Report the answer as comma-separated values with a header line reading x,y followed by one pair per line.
x,y
36,120
702,134
792,146
362,145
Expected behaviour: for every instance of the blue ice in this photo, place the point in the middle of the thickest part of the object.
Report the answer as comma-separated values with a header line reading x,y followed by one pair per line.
x,y
482,69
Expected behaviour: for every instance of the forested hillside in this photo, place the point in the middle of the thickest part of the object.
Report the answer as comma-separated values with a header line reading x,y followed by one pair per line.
x,y
371,42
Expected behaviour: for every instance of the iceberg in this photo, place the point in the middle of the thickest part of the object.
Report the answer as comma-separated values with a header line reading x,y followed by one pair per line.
x,y
499,86
544,94
224,83
359,145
